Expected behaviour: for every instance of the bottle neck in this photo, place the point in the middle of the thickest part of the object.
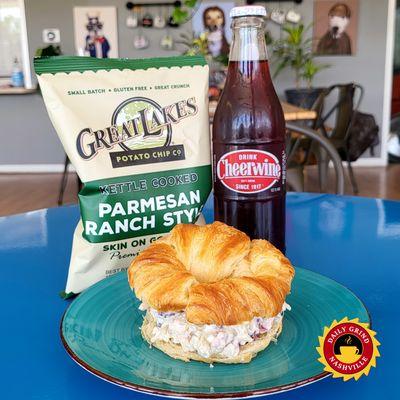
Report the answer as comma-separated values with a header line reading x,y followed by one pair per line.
x,y
248,49
248,39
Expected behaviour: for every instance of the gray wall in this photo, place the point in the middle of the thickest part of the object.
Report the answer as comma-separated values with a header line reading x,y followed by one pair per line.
x,y
51,14
366,67
31,138
44,146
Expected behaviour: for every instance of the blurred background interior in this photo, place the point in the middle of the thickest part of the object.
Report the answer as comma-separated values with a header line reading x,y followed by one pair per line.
x,y
336,62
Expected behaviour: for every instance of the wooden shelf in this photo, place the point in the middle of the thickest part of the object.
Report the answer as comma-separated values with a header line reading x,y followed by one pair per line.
x,y
16,90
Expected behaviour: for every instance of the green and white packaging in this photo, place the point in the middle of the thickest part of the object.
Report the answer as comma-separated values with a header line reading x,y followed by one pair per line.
x,y
137,133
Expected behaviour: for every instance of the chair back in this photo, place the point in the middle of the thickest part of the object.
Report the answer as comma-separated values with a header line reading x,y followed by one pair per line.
x,y
348,99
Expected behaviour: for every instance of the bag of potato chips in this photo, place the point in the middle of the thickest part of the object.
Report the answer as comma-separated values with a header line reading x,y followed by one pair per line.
x,y
137,133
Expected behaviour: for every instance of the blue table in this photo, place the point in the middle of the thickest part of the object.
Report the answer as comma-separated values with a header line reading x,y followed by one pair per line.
x,y
353,240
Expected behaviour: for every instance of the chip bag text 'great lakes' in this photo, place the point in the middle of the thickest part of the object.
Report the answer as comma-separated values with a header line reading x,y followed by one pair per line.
x,y
137,133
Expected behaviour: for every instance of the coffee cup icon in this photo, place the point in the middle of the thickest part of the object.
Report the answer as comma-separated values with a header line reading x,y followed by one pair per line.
x,y
348,348
348,354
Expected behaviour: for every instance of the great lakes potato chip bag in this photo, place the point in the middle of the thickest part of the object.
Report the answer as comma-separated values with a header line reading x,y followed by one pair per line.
x,y
137,133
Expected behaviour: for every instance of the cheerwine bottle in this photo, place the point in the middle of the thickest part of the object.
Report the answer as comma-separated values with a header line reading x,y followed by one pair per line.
x,y
249,158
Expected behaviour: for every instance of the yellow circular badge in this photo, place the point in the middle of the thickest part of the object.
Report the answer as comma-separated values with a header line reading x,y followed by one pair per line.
x,y
348,349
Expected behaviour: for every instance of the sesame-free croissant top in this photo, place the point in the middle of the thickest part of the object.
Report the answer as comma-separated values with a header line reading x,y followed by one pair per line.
x,y
214,273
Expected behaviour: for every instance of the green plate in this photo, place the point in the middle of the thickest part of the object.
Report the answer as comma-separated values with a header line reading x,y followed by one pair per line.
x,y
100,330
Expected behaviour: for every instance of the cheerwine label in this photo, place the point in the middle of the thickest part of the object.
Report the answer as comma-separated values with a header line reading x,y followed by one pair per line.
x,y
249,171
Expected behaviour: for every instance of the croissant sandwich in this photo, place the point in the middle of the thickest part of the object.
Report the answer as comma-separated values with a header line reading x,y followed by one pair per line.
x,y
211,293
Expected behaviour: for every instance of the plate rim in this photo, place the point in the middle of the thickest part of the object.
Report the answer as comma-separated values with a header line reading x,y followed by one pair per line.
x,y
187,395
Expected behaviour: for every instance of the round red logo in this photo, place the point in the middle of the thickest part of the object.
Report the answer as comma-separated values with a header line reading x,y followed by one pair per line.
x,y
248,171
348,349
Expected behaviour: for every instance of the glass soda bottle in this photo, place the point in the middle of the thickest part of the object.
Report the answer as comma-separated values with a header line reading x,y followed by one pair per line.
x,y
249,161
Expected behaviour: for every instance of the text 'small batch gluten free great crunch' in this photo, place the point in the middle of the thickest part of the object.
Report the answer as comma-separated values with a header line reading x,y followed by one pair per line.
x,y
137,132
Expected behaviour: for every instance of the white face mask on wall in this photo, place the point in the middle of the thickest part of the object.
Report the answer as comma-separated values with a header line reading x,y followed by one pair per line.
x,y
338,25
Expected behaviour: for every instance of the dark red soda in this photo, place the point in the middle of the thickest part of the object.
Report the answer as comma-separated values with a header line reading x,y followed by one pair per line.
x,y
249,152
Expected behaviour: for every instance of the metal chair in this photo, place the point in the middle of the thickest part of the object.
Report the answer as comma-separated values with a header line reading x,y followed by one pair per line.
x,y
63,183
295,170
342,112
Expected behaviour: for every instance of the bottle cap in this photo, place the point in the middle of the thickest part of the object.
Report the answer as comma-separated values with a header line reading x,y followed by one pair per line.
x,y
244,11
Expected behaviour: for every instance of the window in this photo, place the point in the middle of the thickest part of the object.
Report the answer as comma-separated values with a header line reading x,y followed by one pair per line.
x,y
13,39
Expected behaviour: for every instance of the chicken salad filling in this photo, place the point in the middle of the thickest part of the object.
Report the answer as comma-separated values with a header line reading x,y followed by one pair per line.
x,y
209,340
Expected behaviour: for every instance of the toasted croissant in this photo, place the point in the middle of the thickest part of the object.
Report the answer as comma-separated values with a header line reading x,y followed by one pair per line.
x,y
213,272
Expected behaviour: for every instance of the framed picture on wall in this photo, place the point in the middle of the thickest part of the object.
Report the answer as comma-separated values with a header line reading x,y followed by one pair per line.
x,y
213,19
335,27
95,30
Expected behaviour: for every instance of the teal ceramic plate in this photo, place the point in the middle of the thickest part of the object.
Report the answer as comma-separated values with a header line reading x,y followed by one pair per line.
x,y
100,330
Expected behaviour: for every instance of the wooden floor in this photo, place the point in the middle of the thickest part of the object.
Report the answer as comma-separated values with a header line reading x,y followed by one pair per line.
x,y
26,192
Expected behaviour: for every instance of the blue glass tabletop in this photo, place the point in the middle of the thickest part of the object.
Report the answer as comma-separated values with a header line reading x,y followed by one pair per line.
x,y
352,240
